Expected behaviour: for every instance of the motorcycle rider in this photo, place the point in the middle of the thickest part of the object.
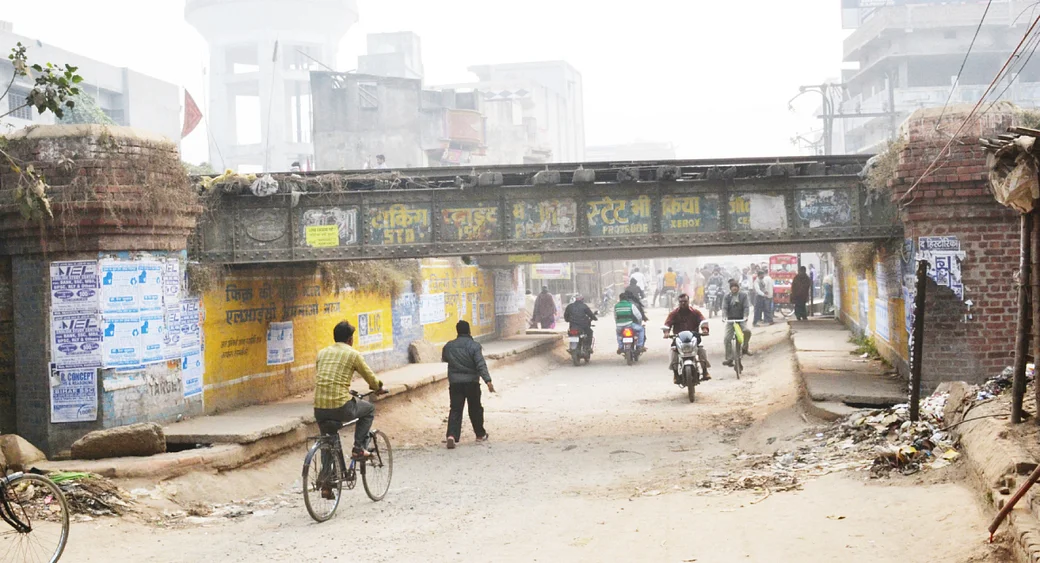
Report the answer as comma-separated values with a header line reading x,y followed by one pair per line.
x,y
627,313
686,318
715,288
580,316
635,290
736,307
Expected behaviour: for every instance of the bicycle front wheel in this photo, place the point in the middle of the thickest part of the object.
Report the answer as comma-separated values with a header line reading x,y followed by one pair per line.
x,y
39,504
322,481
379,468
738,364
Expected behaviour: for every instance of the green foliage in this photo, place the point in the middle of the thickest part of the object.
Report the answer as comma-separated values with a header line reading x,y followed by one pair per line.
x,y
886,165
200,169
53,86
86,110
54,90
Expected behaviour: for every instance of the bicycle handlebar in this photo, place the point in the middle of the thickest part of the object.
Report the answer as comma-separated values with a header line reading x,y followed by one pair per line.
x,y
380,391
736,321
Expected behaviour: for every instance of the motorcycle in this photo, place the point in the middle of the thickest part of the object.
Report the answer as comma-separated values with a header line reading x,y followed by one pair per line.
x,y
689,369
669,298
581,345
713,298
629,345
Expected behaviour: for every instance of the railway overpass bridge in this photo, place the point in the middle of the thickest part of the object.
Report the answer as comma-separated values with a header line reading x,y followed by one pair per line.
x,y
561,212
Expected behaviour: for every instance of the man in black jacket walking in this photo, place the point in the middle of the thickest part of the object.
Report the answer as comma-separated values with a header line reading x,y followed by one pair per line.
x,y
466,367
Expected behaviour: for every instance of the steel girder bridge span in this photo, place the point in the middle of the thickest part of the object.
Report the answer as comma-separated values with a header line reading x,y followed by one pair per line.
x,y
564,212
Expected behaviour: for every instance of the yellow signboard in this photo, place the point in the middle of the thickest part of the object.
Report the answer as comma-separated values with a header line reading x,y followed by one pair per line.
x,y
525,258
322,236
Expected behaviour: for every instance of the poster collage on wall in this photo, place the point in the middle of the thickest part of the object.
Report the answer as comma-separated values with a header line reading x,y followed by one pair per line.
x,y
119,315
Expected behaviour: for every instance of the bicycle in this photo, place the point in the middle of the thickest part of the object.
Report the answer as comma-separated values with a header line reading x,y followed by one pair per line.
x,y
38,514
325,475
738,348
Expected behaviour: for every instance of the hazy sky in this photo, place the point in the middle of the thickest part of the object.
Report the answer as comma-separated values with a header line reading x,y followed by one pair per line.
x,y
713,77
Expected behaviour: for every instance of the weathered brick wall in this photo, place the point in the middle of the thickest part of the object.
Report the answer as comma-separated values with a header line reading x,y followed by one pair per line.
x,y
112,189
969,338
7,383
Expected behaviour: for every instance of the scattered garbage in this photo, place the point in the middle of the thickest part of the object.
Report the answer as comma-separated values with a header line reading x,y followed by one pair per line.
x,y
996,385
92,495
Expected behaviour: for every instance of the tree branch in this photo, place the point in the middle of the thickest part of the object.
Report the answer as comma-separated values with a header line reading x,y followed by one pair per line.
x,y
25,105
8,89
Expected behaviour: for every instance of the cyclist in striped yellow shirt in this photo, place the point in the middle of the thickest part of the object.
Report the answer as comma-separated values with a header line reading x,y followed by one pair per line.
x,y
332,401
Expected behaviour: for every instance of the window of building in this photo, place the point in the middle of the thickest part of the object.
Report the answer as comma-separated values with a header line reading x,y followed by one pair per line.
x,y
17,105
368,95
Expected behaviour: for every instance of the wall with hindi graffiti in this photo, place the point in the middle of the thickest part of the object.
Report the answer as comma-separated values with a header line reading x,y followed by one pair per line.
x,y
469,294
872,305
243,367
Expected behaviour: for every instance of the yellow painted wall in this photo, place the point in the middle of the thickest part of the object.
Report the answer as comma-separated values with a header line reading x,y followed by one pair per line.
x,y
468,290
238,312
896,348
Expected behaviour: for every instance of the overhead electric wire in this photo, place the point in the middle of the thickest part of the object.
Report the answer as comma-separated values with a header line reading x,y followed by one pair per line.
x,y
931,167
957,80
1035,42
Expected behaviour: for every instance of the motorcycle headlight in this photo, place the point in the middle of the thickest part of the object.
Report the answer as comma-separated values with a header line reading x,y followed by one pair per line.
x,y
688,348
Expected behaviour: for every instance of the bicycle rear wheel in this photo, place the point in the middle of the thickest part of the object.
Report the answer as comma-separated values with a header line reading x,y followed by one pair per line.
x,y
37,502
378,470
322,478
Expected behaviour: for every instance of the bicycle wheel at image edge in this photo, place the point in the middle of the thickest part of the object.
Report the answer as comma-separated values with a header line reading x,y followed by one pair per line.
x,y
38,502
320,471
379,469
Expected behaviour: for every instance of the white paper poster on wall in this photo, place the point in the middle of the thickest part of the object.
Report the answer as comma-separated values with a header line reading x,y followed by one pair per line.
x,y
370,328
864,307
881,320
151,337
432,309
122,340
192,370
280,344
74,286
171,280
76,339
150,284
74,396
191,326
119,292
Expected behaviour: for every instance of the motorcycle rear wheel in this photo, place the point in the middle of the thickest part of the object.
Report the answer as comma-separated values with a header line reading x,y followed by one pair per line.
x,y
576,357
629,355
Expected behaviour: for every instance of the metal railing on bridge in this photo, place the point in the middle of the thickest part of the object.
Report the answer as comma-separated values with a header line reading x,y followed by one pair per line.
x,y
594,210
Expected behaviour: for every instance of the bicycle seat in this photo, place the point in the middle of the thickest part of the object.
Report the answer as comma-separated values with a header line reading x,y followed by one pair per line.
x,y
328,427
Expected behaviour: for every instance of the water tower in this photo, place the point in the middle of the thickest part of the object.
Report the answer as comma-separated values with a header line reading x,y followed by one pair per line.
x,y
261,55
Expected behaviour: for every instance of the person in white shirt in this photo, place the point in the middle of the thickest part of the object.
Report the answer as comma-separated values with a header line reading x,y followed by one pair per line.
x,y
763,298
381,162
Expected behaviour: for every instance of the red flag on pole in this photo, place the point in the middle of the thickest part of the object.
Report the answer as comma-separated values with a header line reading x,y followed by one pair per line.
x,y
192,115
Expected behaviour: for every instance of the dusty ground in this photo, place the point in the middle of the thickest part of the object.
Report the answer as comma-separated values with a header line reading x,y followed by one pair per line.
x,y
598,463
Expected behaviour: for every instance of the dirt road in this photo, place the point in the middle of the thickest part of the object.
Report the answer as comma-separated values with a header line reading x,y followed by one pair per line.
x,y
596,463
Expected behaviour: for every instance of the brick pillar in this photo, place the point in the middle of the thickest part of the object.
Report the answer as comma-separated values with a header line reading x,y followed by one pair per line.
x,y
961,342
111,189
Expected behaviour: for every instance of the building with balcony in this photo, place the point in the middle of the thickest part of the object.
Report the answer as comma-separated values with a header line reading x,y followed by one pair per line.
x,y
128,97
908,55
261,55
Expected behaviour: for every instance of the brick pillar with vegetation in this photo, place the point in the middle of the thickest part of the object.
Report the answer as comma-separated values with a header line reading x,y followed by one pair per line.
x,y
74,192
967,339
